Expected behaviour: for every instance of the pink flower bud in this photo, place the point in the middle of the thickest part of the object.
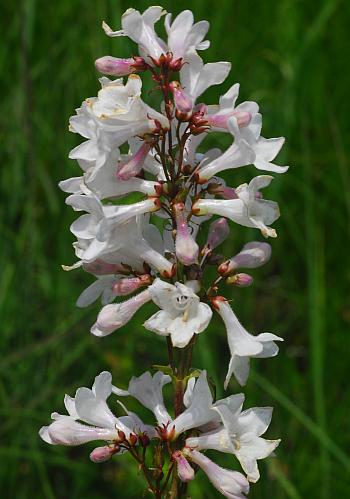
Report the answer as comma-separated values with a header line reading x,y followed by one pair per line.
x,y
133,167
184,469
128,285
186,248
218,232
114,66
183,102
241,280
253,255
116,315
220,120
102,454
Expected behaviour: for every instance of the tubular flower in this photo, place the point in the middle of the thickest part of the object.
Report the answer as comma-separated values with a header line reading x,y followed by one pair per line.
x,y
231,484
239,434
248,209
242,344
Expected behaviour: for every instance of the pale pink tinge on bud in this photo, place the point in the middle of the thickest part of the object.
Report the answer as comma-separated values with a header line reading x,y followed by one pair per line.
x,y
253,255
241,280
128,285
231,484
133,167
102,454
221,120
186,248
183,102
109,65
218,232
116,315
184,469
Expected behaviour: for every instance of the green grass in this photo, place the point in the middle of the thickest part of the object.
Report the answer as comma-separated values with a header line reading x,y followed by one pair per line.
x,y
290,56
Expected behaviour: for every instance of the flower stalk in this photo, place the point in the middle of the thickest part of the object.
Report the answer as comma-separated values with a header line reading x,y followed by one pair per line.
x,y
134,262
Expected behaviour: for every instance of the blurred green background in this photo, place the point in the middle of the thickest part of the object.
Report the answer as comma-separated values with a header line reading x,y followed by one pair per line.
x,y
293,58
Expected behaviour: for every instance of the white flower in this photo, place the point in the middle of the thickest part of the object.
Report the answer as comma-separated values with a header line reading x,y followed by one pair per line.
x,y
184,36
237,155
265,150
240,435
248,148
199,409
101,144
109,228
104,183
102,219
249,209
182,314
242,344
140,28
231,484
196,76
148,391
90,407
119,107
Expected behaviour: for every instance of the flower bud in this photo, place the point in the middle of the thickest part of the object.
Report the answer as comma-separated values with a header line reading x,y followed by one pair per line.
x,y
176,65
128,285
134,166
116,315
253,255
102,454
218,232
114,66
241,280
220,120
132,439
186,247
183,102
164,432
121,435
184,469
144,439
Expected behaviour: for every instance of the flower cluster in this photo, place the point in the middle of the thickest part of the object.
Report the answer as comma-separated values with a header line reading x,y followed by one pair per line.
x,y
147,187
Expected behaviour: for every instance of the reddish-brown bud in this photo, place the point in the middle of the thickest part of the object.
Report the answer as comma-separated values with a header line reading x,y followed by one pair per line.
x,y
164,432
169,275
121,435
215,301
132,439
176,65
144,439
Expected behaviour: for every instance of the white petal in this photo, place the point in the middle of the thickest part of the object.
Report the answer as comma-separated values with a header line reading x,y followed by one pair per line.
x,y
148,391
